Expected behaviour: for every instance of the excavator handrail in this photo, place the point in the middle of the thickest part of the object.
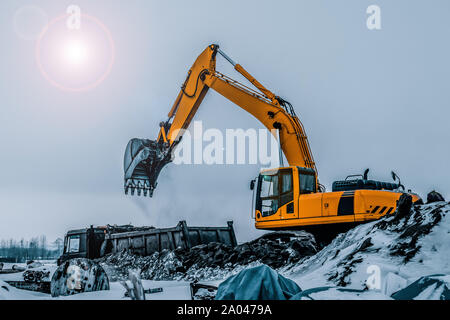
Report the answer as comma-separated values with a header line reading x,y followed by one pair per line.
x,y
243,87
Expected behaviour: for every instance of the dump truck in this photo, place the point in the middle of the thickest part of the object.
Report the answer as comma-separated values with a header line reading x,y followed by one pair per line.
x,y
83,246
285,198
96,242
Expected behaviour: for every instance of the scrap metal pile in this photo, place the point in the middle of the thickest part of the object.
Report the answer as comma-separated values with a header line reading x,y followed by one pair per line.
x,y
214,259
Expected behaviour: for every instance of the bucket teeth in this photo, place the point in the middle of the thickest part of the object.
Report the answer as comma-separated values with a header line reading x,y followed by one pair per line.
x,y
139,187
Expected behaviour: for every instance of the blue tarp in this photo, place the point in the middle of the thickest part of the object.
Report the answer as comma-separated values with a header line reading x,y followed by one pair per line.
x,y
259,283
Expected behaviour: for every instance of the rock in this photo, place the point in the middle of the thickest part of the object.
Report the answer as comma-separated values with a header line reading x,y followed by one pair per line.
x,y
404,206
434,196
411,228
366,244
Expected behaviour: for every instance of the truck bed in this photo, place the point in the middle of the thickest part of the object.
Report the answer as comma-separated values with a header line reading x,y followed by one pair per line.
x,y
182,236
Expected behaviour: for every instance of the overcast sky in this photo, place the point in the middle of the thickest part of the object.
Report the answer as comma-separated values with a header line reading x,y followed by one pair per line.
x,y
377,99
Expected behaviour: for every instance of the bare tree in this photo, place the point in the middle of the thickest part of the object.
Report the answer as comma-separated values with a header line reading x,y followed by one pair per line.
x,y
36,248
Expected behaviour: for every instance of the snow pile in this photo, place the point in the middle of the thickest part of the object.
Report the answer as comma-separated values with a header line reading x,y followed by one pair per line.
x,y
387,254
212,261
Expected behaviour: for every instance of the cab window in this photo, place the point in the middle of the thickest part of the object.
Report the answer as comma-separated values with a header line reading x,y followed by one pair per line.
x,y
73,244
269,195
269,186
286,182
307,183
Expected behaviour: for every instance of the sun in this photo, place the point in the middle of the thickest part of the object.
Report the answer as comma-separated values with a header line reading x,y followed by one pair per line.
x,y
75,52
75,60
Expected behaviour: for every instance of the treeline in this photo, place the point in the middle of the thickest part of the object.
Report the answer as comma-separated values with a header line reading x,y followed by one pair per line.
x,y
35,249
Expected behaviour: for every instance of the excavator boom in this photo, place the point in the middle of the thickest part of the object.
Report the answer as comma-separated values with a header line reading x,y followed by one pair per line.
x,y
144,159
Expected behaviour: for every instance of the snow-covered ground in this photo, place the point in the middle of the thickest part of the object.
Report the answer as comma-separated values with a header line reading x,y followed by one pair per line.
x,y
376,259
172,290
399,251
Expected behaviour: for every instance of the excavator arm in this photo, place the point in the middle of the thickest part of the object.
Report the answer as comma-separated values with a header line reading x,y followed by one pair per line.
x,y
144,159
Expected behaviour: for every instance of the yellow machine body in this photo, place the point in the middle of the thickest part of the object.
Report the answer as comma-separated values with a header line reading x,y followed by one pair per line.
x,y
285,200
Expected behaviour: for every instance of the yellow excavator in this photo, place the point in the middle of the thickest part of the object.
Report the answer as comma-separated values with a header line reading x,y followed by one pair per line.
x,y
289,197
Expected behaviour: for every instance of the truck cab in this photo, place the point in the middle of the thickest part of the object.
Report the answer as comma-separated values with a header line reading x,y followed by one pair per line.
x,y
82,243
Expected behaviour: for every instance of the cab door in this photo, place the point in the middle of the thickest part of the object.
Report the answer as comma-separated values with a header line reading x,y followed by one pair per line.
x,y
275,196
286,199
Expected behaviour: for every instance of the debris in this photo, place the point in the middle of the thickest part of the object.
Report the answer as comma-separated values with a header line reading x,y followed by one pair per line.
x,y
77,276
42,286
18,268
201,291
199,262
136,292
36,276
434,196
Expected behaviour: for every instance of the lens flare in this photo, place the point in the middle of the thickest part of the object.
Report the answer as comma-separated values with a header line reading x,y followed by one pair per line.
x,y
75,52
75,60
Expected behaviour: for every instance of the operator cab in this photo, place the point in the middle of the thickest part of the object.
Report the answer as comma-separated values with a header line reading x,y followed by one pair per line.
x,y
275,189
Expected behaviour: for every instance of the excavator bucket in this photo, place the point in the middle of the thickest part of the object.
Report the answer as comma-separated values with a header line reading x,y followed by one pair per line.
x,y
143,161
